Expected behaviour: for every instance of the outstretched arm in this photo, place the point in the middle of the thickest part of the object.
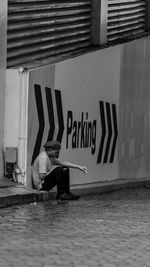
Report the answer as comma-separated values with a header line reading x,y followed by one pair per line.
x,y
70,165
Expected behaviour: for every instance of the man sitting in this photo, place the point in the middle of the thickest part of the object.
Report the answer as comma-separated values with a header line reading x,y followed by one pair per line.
x,y
48,171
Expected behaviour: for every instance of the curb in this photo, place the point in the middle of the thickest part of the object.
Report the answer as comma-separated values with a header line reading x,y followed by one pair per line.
x,y
106,187
19,195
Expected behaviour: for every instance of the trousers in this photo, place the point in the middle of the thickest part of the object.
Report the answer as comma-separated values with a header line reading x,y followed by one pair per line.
x,y
59,177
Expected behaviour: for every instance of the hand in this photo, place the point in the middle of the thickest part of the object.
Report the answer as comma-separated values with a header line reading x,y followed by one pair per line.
x,y
83,169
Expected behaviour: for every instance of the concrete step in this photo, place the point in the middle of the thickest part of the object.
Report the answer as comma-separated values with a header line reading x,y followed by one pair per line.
x,y
16,194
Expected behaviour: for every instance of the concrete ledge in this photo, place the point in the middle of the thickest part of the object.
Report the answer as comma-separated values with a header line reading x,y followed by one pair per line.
x,y
16,200
18,194
110,186
97,188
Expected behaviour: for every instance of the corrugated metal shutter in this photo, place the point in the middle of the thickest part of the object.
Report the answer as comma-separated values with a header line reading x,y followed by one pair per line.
x,y
38,29
126,18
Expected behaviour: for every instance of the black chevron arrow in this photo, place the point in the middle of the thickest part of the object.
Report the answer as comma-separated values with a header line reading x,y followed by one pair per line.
x,y
60,115
109,132
114,113
40,111
50,113
102,115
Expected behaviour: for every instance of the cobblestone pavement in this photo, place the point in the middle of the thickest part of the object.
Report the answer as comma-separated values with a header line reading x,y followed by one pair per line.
x,y
111,230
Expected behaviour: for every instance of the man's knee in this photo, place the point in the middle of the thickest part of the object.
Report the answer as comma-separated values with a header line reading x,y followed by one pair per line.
x,y
66,171
62,172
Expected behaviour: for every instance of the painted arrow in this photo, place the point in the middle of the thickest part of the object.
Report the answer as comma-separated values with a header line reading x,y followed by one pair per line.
x,y
50,113
40,112
103,124
111,122
114,113
60,115
109,132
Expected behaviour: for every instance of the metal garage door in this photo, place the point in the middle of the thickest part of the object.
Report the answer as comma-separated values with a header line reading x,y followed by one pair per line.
x,y
126,18
38,29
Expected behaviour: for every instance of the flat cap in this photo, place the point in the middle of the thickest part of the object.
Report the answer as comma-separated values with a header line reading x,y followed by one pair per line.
x,y
53,145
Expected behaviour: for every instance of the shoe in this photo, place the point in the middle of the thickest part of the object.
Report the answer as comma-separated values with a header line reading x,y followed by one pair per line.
x,y
75,197
67,197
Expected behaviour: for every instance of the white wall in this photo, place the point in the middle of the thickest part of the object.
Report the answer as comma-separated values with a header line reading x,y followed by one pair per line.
x,y
3,47
43,77
12,108
83,82
16,117
134,145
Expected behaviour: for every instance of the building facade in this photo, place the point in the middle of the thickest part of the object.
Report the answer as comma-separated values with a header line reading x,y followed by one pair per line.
x,y
78,71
